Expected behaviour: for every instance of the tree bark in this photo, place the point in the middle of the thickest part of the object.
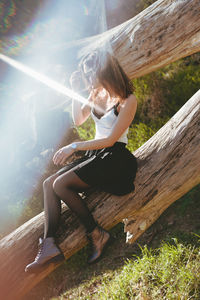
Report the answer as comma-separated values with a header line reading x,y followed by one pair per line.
x,y
161,34
165,32
169,164
170,168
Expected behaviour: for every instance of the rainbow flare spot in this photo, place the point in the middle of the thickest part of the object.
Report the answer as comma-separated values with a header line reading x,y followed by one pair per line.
x,y
86,11
6,12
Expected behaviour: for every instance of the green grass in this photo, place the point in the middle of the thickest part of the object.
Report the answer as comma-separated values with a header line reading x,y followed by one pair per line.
x,y
171,271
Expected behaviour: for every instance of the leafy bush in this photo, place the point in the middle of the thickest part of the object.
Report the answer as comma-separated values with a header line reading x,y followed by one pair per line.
x,y
87,130
138,135
162,93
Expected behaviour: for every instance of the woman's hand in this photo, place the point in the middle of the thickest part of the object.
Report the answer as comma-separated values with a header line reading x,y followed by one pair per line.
x,y
62,154
76,81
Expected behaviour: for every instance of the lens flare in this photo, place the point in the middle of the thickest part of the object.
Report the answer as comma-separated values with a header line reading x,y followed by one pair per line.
x,y
86,10
7,11
16,44
42,78
46,80
34,119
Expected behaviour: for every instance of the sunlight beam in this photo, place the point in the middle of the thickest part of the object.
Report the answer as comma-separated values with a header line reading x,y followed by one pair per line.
x,y
44,79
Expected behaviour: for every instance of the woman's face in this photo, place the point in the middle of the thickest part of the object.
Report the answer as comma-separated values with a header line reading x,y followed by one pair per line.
x,y
90,74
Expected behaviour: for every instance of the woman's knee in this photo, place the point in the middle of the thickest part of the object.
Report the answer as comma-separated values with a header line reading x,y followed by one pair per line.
x,y
58,186
48,182
68,182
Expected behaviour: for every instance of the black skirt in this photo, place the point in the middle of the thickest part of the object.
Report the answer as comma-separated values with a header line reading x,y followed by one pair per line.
x,y
111,169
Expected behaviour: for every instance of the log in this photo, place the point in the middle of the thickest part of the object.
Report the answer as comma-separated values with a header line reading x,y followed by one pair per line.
x,y
170,168
169,164
161,34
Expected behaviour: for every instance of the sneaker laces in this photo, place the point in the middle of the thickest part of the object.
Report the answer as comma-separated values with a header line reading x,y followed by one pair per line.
x,y
40,249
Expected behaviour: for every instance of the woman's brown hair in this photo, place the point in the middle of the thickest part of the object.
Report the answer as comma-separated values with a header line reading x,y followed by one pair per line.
x,y
108,72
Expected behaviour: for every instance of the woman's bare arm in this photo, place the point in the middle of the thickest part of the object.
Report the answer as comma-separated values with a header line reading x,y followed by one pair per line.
x,y
80,112
125,117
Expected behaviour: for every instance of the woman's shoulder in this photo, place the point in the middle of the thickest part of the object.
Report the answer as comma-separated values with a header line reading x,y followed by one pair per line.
x,y
131,100
128,104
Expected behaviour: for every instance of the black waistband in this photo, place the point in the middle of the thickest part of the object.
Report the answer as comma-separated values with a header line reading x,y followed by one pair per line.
x,y
117,145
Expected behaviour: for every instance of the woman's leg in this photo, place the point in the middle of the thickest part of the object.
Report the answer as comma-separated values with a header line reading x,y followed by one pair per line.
x,y
48,250
52,207
57,187
66,187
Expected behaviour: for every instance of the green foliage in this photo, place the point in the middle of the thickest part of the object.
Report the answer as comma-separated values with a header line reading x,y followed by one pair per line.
x,y
145,3
29,209
138,135
164,92
87,130
182,83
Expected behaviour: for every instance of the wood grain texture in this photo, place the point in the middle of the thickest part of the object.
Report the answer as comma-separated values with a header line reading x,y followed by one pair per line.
x,y
161,34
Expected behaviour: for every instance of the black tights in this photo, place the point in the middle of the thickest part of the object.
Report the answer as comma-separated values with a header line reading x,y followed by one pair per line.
x,y
66,187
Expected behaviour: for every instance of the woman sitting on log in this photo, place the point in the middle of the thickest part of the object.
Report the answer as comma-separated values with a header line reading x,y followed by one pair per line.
x,y
107,163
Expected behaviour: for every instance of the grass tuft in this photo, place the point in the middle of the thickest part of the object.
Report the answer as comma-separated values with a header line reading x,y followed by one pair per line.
x,y
171,271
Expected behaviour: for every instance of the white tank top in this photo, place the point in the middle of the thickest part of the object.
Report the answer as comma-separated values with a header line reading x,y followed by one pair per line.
x,y
105,124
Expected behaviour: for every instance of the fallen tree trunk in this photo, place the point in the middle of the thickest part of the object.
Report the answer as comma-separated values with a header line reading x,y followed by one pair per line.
x,y
161,34
164,32
169,166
